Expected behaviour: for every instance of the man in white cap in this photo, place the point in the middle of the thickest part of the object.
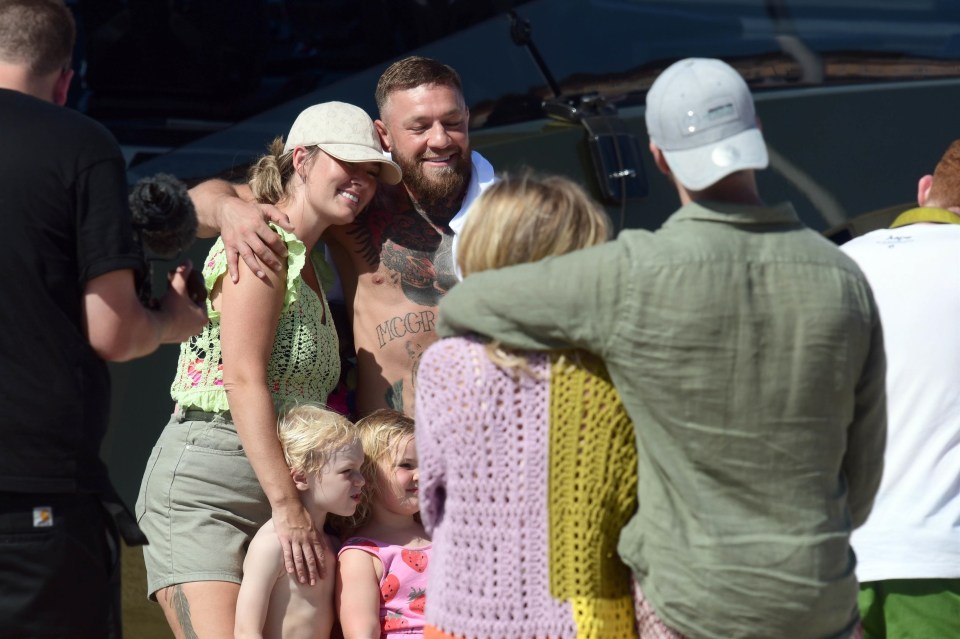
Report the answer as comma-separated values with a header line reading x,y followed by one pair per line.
x,y
748,351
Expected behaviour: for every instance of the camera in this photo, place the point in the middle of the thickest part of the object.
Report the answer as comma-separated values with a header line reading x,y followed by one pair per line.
x,y
164,225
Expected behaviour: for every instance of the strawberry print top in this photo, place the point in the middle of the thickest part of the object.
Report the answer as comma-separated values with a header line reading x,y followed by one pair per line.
x,y
403,587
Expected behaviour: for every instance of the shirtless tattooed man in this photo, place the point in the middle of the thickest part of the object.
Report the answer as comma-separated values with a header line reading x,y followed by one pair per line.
x,y
397,259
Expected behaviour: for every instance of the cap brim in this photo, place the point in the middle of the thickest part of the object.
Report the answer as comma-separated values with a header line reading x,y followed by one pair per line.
x,y
698,168
389,173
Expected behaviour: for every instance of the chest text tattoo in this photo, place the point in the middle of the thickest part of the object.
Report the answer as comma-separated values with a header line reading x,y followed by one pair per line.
x,y
405,325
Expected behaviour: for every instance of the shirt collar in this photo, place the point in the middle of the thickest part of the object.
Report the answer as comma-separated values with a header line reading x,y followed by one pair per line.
x,y
729,213
926,214
481,176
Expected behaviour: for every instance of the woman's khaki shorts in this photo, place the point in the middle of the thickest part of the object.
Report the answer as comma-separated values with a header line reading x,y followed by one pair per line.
x,y
200,504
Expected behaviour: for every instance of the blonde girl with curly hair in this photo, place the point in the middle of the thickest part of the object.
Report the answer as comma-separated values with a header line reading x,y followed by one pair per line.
x,y
382,573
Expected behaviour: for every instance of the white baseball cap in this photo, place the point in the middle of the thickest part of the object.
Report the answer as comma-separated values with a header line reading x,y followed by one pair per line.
x,y
343,131
700,114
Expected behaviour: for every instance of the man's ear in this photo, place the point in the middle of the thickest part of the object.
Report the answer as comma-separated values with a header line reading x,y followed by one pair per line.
x,y
299,479
384,135
62,87
923,189
659,160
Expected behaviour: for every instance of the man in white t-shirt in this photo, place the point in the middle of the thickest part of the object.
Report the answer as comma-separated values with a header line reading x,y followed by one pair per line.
x,y
908,552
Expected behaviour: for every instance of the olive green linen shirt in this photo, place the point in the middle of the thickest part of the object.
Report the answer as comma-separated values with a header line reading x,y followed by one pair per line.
x,y
748,351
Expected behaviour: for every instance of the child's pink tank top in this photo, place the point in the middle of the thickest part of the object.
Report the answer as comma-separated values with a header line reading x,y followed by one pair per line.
x,y
403,587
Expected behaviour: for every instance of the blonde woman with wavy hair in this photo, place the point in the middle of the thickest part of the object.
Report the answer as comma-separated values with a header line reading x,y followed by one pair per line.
x,y
525,218
218,472
528,462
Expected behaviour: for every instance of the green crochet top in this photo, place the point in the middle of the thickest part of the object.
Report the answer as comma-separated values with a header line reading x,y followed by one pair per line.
x,y
305,363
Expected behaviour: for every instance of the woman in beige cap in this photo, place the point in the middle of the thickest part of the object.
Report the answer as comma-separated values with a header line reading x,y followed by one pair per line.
x,y
217,472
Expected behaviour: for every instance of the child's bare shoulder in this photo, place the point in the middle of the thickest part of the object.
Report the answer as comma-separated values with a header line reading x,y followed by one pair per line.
x,y
265,532
264,543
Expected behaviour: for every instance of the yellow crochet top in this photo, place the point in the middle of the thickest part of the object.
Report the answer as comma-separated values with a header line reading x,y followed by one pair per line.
x,y
592,493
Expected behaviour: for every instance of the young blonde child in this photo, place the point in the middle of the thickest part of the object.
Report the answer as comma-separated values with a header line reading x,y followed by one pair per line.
x,y
381,582
325,456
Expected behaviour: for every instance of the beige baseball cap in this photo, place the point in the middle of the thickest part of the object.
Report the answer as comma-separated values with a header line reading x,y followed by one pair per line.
x,y
343,131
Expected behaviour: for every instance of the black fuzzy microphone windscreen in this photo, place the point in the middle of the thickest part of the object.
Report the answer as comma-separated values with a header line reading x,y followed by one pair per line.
x,y
163,215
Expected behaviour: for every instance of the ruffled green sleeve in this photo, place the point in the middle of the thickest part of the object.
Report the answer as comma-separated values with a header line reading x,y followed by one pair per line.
x,y
215,267
296,258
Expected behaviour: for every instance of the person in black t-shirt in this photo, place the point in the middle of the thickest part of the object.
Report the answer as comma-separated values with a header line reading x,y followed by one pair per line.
x,y
67,264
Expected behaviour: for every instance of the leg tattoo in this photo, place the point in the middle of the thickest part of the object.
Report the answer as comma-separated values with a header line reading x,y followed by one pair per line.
x,y
181,608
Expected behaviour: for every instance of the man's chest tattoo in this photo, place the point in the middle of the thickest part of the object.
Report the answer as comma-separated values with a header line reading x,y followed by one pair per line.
x,y
424,275
417,255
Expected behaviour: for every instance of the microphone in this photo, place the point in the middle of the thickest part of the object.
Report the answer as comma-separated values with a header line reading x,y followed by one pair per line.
x,y
164,224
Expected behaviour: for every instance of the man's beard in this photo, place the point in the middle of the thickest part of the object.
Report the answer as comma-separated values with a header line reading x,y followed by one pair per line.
x,y
442,192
